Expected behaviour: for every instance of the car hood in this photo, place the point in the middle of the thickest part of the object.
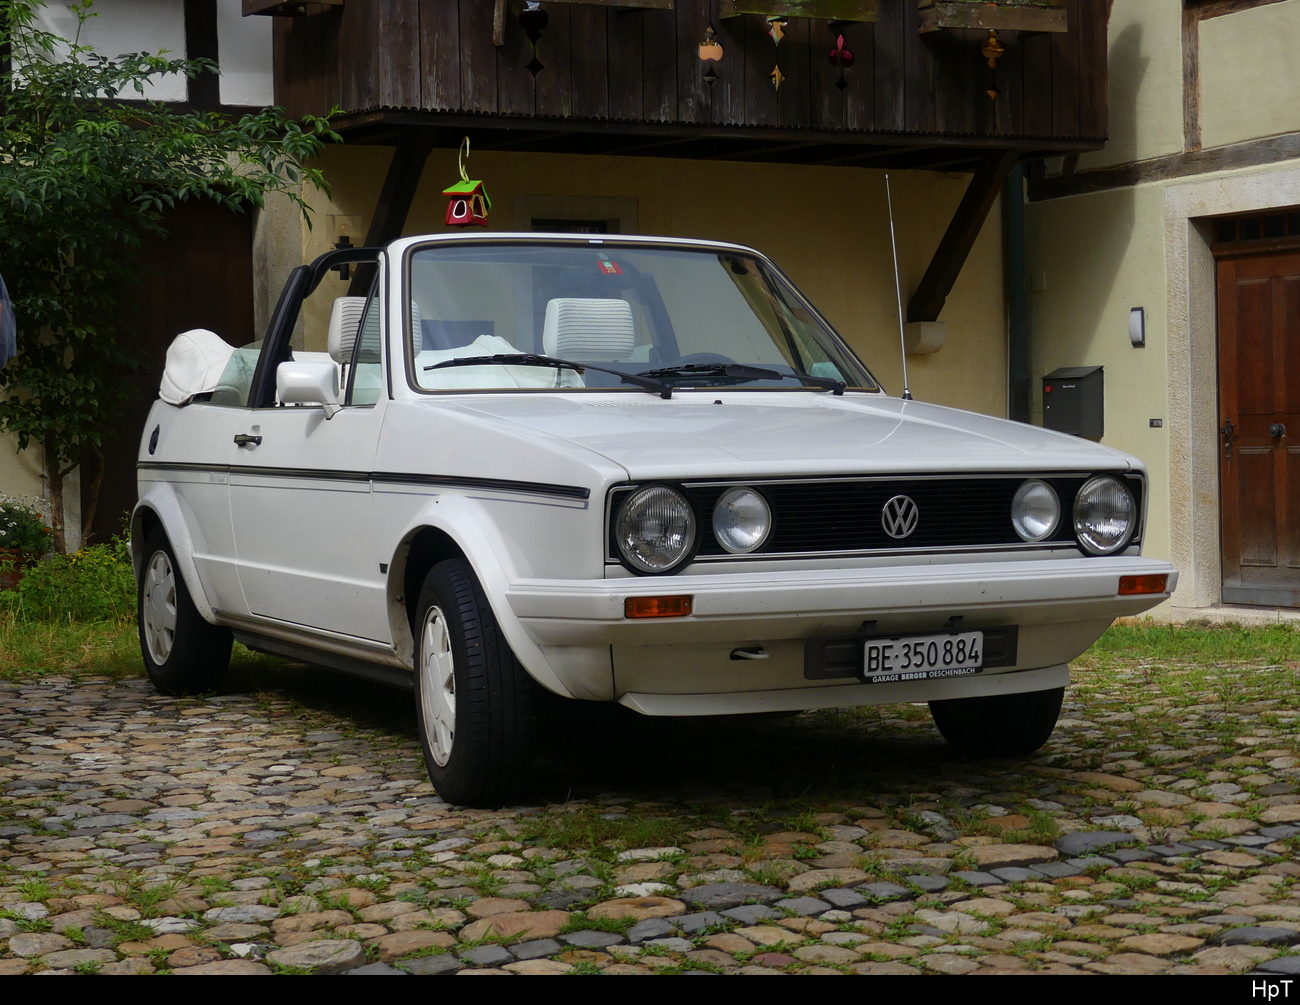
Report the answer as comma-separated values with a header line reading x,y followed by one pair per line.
x,y
722,433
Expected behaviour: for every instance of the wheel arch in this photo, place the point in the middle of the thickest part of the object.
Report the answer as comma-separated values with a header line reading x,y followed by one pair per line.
x,y
160,510
423,547
416,554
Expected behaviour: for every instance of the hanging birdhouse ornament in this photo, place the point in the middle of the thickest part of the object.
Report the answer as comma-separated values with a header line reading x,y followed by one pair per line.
x,y
467,202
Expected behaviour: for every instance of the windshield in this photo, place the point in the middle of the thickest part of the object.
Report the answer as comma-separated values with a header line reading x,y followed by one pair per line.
x,y
683,316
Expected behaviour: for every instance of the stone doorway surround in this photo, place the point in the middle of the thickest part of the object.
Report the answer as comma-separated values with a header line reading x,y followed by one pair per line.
x,y
1193,376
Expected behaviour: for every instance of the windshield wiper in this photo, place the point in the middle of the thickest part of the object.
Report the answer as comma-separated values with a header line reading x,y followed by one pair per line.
x,y
743,372
532,359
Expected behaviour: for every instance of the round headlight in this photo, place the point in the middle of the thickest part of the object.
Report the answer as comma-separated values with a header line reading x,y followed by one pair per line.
x,y
655,529
741,520
1105,515
1035,510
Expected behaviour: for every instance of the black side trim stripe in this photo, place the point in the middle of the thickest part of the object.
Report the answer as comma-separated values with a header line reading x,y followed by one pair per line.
x,y
384,477
494,484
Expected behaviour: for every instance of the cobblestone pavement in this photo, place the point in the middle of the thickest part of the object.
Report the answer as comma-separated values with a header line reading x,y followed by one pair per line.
x,y
254,833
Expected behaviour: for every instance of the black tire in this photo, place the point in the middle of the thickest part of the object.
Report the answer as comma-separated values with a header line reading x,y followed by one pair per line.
x,y
475,703
1002,725
183,654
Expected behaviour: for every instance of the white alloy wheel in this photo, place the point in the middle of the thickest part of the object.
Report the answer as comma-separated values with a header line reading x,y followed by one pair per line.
x,y
473,700
182,653
438,685
159,608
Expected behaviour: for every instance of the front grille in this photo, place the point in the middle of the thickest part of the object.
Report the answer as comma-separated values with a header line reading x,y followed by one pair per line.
x,y
844,514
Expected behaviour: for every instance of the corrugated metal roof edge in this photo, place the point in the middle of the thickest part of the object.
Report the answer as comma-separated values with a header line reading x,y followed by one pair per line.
x,y
407,109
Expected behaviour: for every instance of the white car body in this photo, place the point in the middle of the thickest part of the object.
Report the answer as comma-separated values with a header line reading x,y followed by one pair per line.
x,y
312,535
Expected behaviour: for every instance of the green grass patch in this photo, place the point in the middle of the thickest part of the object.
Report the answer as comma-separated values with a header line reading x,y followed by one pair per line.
x,y
580,921
1194,643
596,831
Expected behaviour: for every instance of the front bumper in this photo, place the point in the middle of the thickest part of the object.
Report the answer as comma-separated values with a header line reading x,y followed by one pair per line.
x,y
1060,607
803,603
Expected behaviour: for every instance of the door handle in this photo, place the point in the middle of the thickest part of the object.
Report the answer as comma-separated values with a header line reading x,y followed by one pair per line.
x,y
1227,430
1276,430
247,439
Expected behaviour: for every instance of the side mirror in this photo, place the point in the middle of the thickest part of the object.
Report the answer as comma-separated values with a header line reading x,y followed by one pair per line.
x,y
308,383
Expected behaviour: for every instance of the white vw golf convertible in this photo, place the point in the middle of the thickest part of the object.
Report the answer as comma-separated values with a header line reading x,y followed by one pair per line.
x,y
631,470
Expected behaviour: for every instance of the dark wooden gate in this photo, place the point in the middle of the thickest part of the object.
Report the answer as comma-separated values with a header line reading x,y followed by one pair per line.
x,y
200,275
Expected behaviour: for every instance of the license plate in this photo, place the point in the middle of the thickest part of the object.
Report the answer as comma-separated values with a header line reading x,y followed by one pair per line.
x,y
922,657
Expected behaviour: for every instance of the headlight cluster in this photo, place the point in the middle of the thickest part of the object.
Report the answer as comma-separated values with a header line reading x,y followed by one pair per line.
x,y
1105,513
655,528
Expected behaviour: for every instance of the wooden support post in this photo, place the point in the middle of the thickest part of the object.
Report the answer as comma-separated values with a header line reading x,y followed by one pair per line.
x,y
394,199
950,256
204,90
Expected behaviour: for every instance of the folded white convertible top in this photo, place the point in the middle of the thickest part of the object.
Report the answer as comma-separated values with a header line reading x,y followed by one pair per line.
x,y
196,360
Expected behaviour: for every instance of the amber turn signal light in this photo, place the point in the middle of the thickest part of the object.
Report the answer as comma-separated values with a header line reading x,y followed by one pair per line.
x,y
657,607
1129,585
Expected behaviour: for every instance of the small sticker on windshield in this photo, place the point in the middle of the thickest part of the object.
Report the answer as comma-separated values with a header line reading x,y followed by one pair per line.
x,y
608,267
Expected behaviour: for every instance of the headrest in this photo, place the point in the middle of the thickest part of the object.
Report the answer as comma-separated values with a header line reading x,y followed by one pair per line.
x,y
594,330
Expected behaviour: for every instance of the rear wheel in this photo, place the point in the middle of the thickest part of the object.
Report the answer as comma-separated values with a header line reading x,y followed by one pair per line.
x,y
473,699
183,654
1001,725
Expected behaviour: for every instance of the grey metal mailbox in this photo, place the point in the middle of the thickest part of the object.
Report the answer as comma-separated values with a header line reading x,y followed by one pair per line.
x,y
1073,401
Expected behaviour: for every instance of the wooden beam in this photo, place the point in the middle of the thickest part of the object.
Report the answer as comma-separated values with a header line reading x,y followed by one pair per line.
x,y
864,157
286,8
1217,8
203,91
395,198
1248,153
950,256
826,10
654,132
623,5
1191,79
1007,17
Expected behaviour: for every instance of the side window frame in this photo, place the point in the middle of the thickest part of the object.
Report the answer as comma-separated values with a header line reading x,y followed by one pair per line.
x,y
373,308
302,282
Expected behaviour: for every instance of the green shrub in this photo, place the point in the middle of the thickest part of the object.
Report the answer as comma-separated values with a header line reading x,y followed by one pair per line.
x,y
23,527
93,584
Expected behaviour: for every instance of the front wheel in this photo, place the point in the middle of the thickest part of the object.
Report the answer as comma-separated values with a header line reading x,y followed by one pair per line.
x,y
473,699
1000,725
183,654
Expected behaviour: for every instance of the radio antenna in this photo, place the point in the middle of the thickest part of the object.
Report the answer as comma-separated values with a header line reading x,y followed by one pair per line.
x,y
898,290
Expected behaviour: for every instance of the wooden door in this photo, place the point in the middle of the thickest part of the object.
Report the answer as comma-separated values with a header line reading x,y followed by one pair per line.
x,y
1259,439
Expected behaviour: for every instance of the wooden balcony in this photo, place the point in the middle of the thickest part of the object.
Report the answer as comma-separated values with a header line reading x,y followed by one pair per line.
x,y
621,79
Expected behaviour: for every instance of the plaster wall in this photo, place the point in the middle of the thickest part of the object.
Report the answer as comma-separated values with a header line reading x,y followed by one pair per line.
x,y
1100,254
1250,74
128,26
1146,73
20,473
245,47
1082,290
826,227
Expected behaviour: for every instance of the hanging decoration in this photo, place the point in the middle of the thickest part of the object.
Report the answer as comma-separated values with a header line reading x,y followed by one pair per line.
x,y
992,51
710,52
776,30
468,202
841,55
533,20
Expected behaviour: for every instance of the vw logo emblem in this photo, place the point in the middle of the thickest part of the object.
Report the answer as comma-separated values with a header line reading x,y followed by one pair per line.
x,y
899,517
